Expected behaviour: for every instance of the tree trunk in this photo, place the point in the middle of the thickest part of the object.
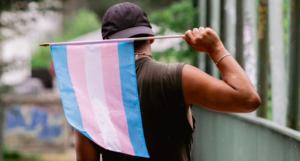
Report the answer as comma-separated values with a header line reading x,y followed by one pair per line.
x,y
195,25
263,58
215,25
1,107
202,23
208,62
294,86
223,21
1,129
239,32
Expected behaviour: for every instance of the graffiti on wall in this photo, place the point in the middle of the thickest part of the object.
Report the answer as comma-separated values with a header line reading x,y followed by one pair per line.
x,y
35,122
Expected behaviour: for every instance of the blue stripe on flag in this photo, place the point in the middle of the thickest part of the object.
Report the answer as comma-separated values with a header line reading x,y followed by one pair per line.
x,y
131,98
69,100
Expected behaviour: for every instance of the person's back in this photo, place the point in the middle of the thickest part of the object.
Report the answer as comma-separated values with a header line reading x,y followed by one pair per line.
x,y
168,133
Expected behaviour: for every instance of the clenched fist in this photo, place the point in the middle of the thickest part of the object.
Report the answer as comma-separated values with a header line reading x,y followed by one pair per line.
x,y
204,40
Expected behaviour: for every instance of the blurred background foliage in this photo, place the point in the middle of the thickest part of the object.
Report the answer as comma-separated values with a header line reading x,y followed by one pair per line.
x,y
286,10
12,5
84,22
169,15
149,6
18,24
8,5
178,17
10,155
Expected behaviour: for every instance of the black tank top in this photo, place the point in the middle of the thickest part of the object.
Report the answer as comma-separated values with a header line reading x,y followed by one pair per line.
x,y
167,131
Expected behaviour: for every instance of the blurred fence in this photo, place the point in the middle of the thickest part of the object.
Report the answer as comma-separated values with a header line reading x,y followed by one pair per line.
x,y
264,37
35,124
231,137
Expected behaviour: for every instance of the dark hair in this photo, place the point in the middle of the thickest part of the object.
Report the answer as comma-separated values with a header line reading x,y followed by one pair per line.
x,y
140,43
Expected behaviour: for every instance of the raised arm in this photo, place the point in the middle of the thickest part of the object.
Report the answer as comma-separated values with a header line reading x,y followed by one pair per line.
x,y
235,94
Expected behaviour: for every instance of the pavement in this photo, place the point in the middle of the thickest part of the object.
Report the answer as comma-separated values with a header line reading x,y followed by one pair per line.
x,y
68,155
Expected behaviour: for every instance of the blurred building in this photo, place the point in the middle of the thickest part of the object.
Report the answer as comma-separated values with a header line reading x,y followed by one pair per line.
x,y
17,48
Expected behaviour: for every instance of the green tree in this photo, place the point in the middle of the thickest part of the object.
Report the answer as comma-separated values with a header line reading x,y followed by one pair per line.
x,y
286,10
15,6
8,5
100,7
179,17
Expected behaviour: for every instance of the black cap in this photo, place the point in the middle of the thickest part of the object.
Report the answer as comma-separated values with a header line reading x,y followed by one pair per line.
x,y
125,20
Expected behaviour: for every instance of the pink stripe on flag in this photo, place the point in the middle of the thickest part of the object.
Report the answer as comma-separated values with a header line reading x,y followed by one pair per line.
x,y
78,77
113,93
94,77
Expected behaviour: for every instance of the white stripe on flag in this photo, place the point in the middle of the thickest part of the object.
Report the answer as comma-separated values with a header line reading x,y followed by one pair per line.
x,y
94,77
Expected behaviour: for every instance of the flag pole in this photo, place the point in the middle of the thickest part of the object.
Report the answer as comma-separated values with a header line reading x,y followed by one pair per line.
x,y
113,40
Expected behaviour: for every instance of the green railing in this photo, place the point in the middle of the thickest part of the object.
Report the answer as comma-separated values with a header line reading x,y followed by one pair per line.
x,y
231,137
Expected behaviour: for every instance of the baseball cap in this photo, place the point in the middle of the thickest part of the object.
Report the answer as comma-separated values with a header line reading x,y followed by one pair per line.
x,y
125,20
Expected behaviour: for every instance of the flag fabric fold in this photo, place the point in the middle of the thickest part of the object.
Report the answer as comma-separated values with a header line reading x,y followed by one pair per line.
x,y
98,87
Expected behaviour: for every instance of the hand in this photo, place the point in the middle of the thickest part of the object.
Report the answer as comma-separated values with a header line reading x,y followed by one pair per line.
x,y
203,40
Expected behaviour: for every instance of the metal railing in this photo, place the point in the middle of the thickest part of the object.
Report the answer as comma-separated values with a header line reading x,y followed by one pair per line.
x,y
232,137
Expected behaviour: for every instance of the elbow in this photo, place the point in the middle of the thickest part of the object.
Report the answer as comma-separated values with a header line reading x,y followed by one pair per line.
x,y
252,102
249,102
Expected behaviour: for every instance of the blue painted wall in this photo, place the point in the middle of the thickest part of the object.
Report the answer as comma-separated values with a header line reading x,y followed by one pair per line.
x,y
35,121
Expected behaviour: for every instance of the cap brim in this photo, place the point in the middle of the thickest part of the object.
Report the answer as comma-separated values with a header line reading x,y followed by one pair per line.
x,y
131,32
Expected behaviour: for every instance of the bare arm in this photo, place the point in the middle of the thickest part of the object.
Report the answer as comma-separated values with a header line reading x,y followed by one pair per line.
x,y
235,94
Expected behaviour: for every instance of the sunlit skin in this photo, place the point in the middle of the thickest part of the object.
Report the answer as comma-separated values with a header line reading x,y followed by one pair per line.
x,y
234,94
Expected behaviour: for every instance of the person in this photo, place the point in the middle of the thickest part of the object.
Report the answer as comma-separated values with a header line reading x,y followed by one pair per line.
x,y
167,91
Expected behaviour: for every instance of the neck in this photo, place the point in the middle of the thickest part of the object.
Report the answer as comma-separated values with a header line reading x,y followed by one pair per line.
x,y
146,49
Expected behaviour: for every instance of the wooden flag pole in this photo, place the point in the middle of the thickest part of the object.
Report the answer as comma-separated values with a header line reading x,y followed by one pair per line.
x,y
113,40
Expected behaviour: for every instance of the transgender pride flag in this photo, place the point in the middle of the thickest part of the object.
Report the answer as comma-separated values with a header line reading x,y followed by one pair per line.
x,y
98,87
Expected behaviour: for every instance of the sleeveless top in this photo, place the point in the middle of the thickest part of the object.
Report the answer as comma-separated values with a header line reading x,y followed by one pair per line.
x,y
168,134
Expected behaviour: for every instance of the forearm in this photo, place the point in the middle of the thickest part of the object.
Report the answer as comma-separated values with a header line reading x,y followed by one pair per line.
x,y
234,75
230,70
